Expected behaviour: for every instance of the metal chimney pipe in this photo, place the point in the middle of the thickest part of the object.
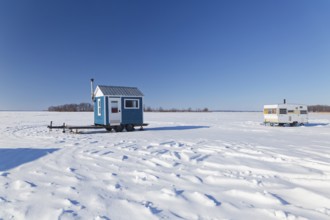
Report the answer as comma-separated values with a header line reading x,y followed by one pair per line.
x,y
92,89
284,101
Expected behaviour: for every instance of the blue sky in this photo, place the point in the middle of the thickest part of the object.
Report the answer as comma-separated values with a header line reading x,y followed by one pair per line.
x,y
218,54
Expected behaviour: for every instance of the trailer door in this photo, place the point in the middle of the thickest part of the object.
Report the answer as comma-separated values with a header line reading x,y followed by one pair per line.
x,y
114,111
282,115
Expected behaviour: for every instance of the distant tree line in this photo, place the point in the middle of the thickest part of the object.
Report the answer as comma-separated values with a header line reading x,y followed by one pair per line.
x,y
319,108
87,107
82,107
160,109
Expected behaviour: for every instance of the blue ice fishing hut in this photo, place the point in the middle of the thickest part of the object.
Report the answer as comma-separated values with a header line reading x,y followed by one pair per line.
x,y
117,107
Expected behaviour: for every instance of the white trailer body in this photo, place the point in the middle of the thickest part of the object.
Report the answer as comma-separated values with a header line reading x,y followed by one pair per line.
x,y
281,114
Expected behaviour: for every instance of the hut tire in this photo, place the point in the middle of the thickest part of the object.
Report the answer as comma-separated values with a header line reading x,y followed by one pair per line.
x,y
108,129
119,128
130,127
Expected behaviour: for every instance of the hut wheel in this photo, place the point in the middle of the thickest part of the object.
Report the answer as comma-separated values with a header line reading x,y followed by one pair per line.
x,y
129,127
119,128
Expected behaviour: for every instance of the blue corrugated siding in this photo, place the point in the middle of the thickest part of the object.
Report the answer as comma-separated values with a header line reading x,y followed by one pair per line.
x,y
99,119
129,116
132,116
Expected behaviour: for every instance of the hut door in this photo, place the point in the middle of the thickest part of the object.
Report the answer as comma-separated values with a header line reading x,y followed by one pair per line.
x,y
114,111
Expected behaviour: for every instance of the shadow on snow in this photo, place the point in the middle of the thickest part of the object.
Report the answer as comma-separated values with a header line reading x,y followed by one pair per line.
x,y
14,157
175,128
171,128
304,125
316,124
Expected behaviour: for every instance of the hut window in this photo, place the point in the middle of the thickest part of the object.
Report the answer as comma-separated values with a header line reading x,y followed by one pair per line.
x,y
99,107
303,112
132,103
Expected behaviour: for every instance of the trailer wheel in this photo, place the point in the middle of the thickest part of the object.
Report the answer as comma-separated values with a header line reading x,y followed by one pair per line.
x,y
293,124
108,129
119,128
130,127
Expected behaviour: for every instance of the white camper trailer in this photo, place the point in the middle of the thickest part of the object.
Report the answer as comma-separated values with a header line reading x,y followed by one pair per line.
x,y
281,114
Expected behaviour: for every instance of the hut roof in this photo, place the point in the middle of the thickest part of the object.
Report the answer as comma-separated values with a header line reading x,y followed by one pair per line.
x,y
120,91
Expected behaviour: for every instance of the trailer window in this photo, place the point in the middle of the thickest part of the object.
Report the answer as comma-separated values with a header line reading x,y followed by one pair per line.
x,y
132,103
268,111
283,111
303,112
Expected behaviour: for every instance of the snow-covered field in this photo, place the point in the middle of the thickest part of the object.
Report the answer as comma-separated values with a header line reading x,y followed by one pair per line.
x,y
183,166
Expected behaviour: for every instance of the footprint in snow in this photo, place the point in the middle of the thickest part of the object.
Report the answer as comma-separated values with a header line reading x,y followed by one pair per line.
x,y
159,152
149,147
102,218
253,198
203,199
151,207
177,155
115,187
68,214
107,152
4,174
70,169
75,203
20,184
192,179
171,192
3,200
163,163
94,152
172,144
144,178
